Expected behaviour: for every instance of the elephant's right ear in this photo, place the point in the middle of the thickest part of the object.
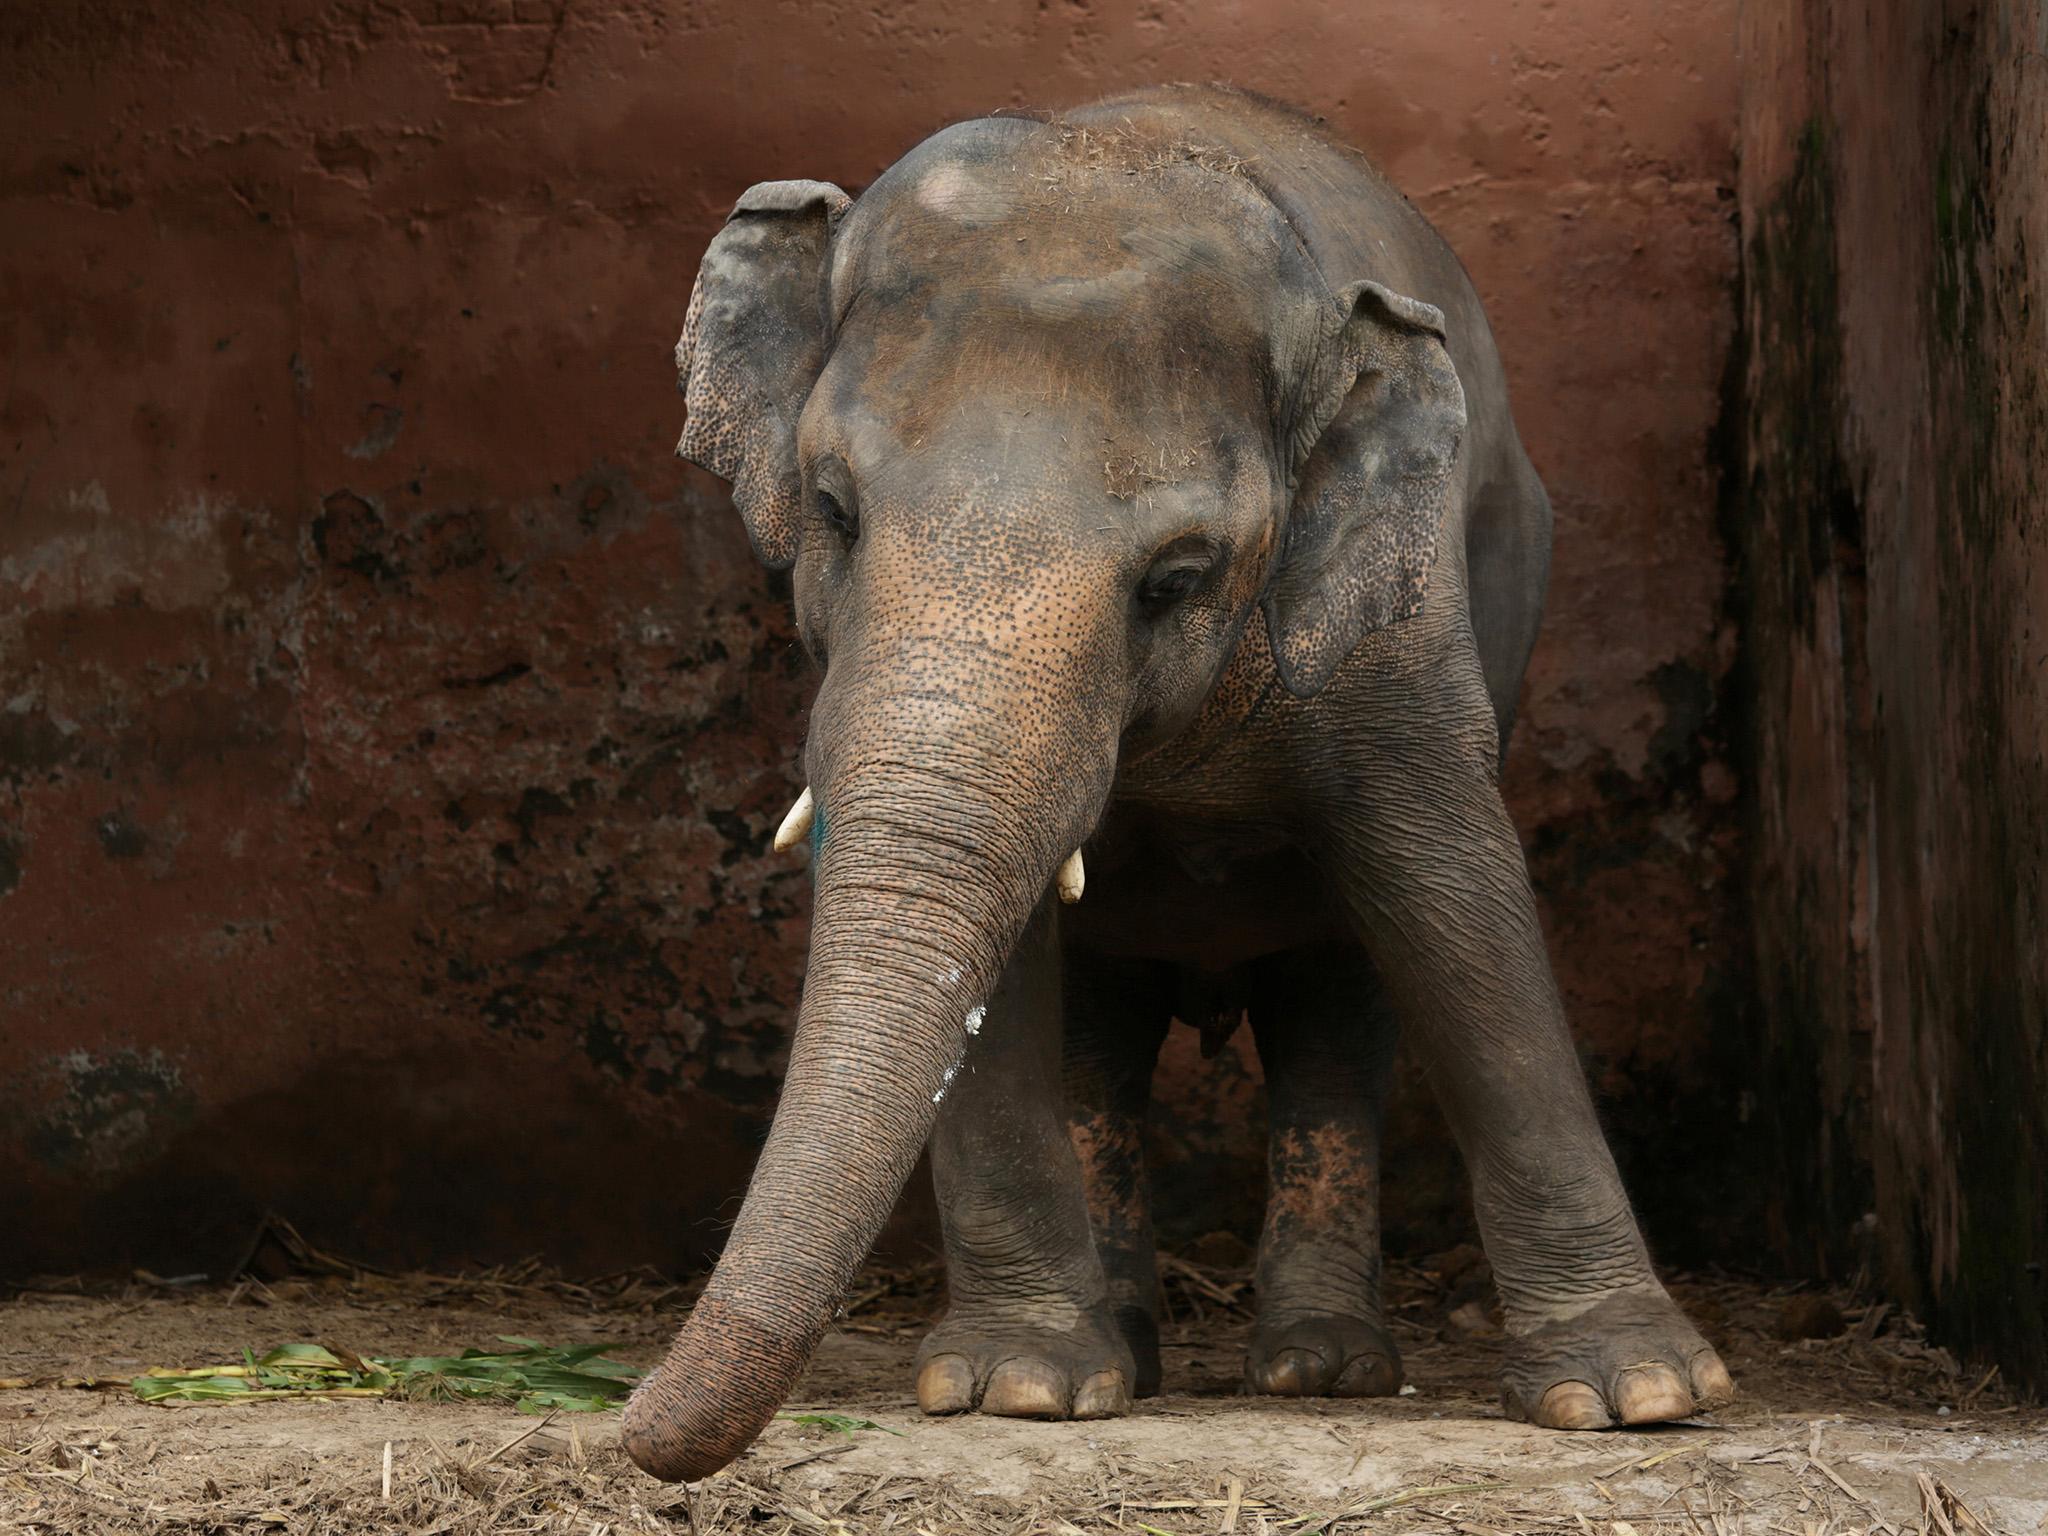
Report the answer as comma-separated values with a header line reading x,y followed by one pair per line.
x,y
753,342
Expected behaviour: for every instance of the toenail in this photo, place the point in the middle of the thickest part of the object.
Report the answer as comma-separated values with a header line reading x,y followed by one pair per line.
x,y
1297,1372
1711,1383
1102,1396
1367,1376
1572,1405
1651,1394
946,1385
1023,1388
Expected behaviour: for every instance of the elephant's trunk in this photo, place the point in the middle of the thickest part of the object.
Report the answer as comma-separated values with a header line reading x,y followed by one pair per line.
x,y
940,826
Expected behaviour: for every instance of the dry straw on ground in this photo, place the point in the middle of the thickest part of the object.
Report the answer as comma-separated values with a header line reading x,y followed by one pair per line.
x,y
1835,1436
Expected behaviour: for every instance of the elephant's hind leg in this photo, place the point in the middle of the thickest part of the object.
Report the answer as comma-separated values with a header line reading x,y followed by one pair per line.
x,y
1326,1042
1117,1014
1028,1331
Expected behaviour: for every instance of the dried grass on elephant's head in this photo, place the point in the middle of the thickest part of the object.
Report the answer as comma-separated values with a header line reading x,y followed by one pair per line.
x,y
1083,160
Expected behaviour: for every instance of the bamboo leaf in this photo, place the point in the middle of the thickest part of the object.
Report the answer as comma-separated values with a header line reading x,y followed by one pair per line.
x,y
533,1376
838,1423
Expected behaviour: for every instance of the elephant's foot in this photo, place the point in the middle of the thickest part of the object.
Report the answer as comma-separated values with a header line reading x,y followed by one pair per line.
x,y
1630,1358
1322,1354
974,1362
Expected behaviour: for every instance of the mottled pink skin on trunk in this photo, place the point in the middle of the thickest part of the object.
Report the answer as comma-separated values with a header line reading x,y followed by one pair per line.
x,y
845,1138
844,1141
911,933
894,972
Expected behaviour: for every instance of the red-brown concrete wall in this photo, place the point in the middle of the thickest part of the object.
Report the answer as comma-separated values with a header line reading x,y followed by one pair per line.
x,y
1895,572
390,729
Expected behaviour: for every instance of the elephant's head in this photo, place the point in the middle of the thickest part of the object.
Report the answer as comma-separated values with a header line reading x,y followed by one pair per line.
x,y
1041,422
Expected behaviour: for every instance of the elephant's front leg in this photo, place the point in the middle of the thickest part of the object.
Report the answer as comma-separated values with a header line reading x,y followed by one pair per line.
x,y
1028,1331
1422,852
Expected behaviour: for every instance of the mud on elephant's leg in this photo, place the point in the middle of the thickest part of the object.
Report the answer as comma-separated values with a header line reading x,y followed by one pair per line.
x,y
1420,848
1117,1015
1028,1331
1326,1042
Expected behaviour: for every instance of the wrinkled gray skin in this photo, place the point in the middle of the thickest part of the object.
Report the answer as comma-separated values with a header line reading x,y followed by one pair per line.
x,y
1149,485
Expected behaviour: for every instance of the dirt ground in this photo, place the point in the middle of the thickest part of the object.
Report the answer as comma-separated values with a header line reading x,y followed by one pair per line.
x,y
1862,1428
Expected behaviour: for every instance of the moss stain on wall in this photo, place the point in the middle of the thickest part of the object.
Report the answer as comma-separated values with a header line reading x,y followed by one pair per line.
x,y
1895,550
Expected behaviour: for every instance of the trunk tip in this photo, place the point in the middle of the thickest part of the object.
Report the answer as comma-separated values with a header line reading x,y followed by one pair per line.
x,y
723,1379
654,1437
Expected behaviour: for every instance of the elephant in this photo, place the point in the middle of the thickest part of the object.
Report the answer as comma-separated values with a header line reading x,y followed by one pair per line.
x,y
1158,526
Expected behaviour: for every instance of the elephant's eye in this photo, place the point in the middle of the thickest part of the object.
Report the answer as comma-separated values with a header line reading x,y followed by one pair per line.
x,y
1173,576
839,515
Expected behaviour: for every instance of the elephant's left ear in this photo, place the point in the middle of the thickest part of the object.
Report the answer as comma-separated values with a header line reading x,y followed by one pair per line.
x,y
1374,440
753,342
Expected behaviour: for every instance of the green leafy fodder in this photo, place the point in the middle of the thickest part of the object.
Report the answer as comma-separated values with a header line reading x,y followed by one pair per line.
x,y
530,1375
838,1423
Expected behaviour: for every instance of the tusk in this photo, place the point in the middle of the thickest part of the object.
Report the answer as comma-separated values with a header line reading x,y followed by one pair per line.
x,y
1072,878
796,826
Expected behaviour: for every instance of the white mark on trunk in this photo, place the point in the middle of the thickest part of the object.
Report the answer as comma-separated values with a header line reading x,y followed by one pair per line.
x,y
952,974
946,1082
974,1017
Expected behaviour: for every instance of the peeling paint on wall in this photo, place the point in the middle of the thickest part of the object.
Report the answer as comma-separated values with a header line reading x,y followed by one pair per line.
x,y
105,1114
